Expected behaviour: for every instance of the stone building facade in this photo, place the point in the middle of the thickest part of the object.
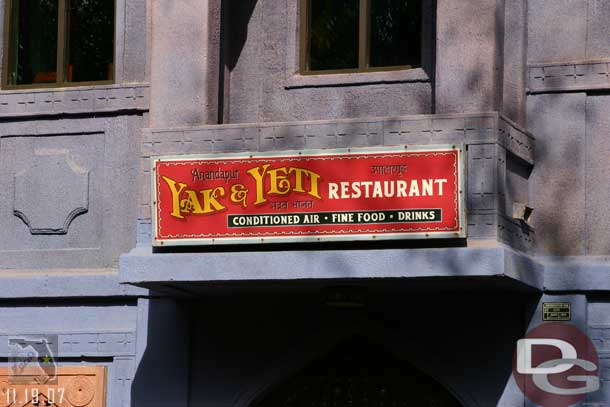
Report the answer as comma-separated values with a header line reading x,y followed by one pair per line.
x,y
523,85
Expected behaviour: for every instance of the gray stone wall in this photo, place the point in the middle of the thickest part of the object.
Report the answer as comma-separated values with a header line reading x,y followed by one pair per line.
x,y
68,161
69,187
470,72
599,332
263,85
567,30
568,75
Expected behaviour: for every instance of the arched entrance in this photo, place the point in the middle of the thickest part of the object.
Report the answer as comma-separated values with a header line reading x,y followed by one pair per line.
x,y
358,373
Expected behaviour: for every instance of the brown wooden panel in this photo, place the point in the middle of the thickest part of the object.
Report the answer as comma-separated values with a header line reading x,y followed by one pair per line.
x,y
76,386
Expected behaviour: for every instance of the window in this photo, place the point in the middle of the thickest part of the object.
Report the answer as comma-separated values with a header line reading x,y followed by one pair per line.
x,y
360,35
58,43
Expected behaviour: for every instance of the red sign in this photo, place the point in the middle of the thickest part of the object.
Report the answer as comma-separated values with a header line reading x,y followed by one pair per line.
x,y
350,194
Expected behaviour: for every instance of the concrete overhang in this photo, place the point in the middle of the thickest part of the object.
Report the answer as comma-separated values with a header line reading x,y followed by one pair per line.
x,y
497,265
576,274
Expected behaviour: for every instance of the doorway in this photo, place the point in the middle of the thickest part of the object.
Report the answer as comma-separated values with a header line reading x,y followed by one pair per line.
x,y
358,373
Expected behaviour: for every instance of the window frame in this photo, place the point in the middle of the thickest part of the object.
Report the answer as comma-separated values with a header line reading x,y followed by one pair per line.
x,y
364,42
62,47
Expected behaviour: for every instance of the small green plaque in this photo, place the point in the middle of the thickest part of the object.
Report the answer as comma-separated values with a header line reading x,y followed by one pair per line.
x,y
556,311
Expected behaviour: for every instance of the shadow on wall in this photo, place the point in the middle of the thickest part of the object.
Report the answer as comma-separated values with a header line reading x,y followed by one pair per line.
x,y
162,375
467,74
256,46
236,20
558,181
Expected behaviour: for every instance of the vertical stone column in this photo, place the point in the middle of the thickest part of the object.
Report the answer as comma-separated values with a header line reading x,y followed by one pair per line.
x,y
184,62
469,55
515,61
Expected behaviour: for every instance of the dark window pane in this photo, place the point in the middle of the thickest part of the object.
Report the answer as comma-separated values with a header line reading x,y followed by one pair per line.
x,y
333,34
395,33
33,47
91,40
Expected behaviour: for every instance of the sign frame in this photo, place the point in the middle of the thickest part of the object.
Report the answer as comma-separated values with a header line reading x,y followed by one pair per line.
x,y
461,174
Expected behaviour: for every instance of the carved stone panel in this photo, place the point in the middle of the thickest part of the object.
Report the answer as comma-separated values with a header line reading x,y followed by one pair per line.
x,y
76,386
51,193
71,181
52,196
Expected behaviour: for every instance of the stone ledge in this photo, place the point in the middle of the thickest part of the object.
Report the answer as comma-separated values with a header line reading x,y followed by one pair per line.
x,y
17,283
142,267
356,78
569,76
86,343
81,99
516,140
475,128
577,274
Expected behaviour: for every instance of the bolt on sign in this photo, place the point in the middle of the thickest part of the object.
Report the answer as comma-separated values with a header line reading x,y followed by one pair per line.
x,y
398,192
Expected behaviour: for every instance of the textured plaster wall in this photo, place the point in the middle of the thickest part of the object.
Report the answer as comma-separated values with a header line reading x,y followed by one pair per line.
x,y
69,160
569,188
184,62
469,49
260,36
598,312
514,60
557,30
467,66
597,181
568,30
557,184
69,191
68,196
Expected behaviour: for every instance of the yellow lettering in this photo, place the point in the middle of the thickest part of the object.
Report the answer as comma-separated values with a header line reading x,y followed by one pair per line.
x,y
313,190
191,204
239,192
279,181
210,202
298,179
258,177
175,196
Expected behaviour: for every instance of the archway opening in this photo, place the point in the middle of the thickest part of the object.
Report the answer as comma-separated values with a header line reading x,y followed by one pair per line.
x,y
358,373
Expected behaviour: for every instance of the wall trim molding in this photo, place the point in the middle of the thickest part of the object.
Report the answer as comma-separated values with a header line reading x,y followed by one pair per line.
x,y
74,100
570,76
